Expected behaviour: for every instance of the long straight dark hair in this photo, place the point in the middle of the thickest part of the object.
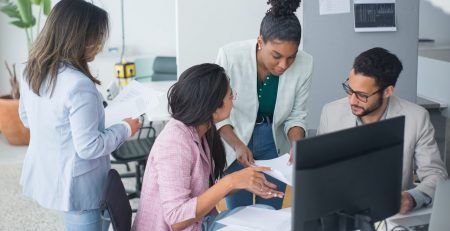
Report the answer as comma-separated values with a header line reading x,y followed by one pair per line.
x,y
199,92
71,27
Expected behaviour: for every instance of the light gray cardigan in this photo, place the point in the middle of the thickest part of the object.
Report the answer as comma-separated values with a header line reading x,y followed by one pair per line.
x,y
239,61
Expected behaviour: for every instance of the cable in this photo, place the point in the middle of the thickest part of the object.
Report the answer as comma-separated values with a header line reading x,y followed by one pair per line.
x,y
123,32
399,228
378,226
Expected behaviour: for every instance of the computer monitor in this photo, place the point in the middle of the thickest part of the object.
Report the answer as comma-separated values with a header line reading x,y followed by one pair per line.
x,y
349,174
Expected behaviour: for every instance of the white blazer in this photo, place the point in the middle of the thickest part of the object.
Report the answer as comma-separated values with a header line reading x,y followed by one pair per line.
x,y
68,156
419,147
239,61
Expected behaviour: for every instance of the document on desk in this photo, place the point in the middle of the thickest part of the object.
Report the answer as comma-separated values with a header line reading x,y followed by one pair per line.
x,y
133,101
258,219
280,170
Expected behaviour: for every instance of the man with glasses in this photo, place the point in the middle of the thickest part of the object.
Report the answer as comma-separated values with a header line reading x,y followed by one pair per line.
x,y
369,88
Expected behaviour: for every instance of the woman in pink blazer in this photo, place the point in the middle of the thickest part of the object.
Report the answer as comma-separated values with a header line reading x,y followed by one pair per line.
x,y
183,180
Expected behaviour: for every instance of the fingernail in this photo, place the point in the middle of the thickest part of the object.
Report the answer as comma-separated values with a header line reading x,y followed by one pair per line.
x,y
270,193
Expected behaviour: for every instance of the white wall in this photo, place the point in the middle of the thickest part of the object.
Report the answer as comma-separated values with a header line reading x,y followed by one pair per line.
x,y
433,23
149,31
149,28
433,81
13,48
204,25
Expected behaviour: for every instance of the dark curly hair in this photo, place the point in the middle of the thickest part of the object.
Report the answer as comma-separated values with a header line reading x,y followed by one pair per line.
x,y
280,22
380,64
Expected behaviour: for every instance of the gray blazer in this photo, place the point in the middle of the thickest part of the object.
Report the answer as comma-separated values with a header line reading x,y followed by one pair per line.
x,y
419,147
239,61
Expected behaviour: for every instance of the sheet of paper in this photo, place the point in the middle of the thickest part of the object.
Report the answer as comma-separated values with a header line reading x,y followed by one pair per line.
x,y
235,228
334,6
261,219
280,169
133,101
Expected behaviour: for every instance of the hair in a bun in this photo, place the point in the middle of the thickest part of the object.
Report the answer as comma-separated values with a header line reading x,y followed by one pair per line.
x,y
282,7
280,22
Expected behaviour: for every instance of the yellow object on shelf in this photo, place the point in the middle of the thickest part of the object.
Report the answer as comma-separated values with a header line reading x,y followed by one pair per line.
x,y
124,72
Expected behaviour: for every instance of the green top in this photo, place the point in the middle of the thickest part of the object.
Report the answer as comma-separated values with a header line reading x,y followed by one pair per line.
x,y
267,95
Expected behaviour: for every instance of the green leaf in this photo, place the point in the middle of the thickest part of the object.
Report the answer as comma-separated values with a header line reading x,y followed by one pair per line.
x,y
20,24
24,7
33,22
36,2
10,10
47,4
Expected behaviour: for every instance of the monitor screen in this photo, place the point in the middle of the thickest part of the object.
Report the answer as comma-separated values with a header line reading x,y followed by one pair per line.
x,y
345,174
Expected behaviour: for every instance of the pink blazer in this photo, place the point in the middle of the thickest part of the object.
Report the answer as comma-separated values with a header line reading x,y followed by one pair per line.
x,y
178,171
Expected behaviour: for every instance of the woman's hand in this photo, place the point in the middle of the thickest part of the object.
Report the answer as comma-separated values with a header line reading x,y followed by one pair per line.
x,y
134,124
252,179
291,155
244,156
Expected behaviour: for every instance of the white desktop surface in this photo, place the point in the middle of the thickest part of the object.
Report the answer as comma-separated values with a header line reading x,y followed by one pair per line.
x,y
159,113
421,211
389,224
228,228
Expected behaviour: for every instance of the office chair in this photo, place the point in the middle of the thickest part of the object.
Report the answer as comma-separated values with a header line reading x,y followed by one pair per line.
x,y
136,150
164,69
115,202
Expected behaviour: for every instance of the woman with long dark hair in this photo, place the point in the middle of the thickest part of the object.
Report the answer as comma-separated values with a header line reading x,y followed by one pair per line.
x,y
272,78
183,178
67,160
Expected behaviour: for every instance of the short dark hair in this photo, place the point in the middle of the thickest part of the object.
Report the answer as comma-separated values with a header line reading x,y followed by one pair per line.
x,y
193,99
379,64
280,22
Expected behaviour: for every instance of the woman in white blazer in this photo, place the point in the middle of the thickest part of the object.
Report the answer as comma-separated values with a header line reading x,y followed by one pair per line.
x,y
68,157
272,79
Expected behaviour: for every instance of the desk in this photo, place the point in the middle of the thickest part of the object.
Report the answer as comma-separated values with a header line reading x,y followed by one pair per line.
x,y
418,212
228,228
390,225
160,112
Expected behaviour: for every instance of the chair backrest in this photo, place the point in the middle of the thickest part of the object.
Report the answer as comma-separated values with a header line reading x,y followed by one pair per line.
x,y
164,68
115,201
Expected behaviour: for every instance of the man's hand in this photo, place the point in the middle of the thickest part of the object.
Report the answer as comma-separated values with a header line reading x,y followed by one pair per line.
x,y
407,203
244,156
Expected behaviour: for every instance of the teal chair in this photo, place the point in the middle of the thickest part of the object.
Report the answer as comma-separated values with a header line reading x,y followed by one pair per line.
x,y
164,69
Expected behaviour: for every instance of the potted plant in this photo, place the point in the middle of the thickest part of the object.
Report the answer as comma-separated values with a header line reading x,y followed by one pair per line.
x,y
21,13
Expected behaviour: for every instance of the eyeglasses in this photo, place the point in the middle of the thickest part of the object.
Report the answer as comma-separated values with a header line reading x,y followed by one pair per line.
x,y
363,97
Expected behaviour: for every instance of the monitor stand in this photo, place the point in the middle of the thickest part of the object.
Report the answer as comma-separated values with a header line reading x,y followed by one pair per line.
x,y
346,222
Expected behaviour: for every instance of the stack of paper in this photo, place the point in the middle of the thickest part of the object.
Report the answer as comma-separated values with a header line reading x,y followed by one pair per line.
x,y
258,219
133,101
280,170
